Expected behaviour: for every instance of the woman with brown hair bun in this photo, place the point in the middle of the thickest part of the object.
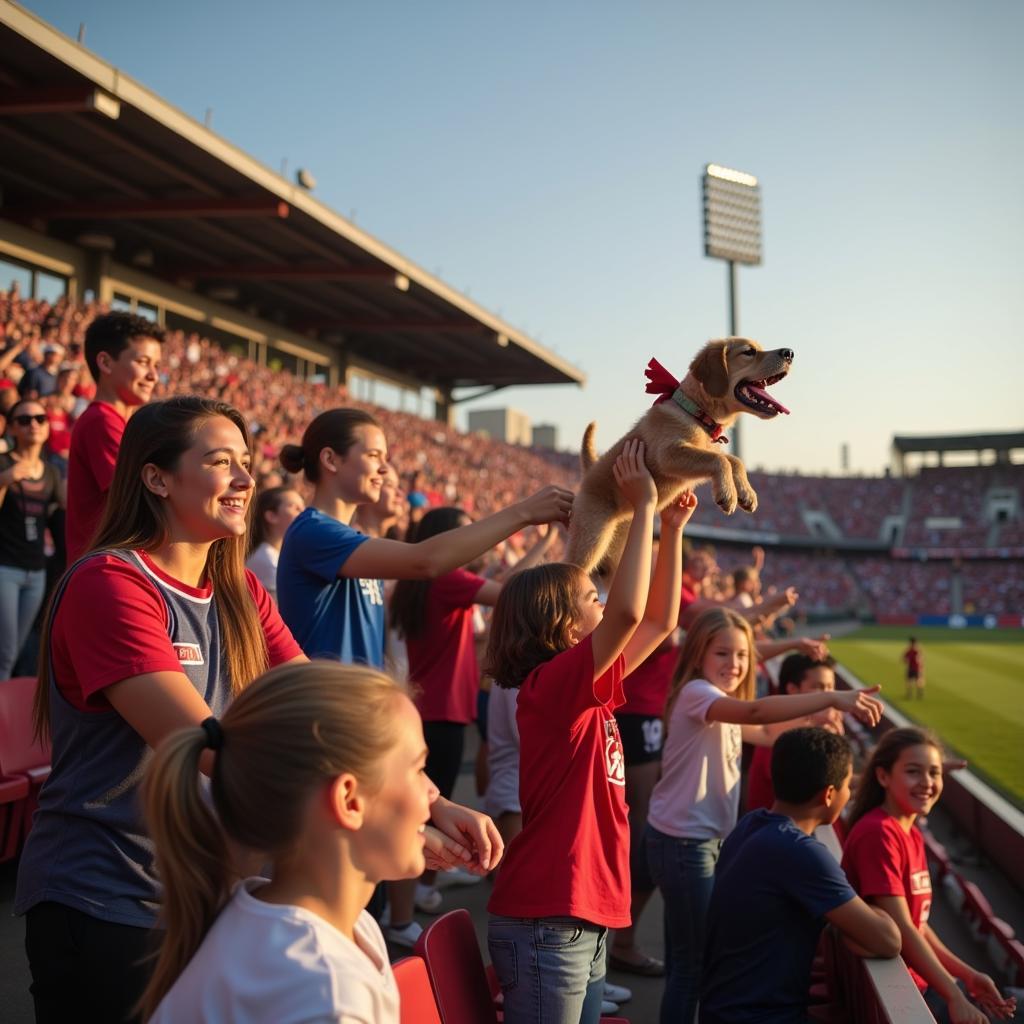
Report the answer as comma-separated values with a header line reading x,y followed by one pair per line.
x,y
156,627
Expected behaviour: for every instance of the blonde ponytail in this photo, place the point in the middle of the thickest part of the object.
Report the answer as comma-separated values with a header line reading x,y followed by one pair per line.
x,y
294,729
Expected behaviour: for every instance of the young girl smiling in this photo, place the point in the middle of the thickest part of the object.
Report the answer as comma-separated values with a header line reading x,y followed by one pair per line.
x,y
885,862
709,714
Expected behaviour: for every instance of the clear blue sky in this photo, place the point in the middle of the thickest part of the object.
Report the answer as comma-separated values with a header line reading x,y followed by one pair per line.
x,y
545,158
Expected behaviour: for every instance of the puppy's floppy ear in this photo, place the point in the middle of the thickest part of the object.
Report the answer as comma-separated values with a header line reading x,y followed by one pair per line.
x,y
711,368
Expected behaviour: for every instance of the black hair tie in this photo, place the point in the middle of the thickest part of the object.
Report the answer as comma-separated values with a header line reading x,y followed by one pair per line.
x,y
214,733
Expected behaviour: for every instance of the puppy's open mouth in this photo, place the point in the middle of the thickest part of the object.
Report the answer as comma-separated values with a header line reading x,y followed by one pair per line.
x,y
752,393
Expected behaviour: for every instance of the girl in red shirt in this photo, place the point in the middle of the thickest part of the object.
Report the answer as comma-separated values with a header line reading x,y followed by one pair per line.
x,y
884,860
565,880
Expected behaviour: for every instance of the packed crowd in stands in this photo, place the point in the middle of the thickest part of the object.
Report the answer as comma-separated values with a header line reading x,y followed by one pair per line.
x,y
993,588
339,783
905,587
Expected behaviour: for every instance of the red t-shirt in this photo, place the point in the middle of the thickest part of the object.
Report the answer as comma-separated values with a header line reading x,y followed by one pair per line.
x,y
60,430
646,687
760,791
111,624
442,656
95,440
572,856
880,859
912,656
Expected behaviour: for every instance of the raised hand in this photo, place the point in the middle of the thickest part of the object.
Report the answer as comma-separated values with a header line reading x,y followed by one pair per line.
x,y
633,477
860,704
552,504
815,647
676,515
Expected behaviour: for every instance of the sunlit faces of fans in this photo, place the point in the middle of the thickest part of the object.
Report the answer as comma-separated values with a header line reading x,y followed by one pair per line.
x,y
288,507
207,495
589,609
914,782
361,470
726,659
389,842
133,373
28,424
392,496
819,679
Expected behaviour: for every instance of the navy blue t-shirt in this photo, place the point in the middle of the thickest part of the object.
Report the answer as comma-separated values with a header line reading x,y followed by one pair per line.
x,y
773,886
330,616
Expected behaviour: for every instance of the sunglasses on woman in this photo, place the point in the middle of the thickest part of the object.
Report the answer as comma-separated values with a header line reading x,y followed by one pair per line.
x,y
26,418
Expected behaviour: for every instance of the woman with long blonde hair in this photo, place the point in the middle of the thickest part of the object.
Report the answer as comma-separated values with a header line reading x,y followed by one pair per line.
x,y
156,627
319,767
709,713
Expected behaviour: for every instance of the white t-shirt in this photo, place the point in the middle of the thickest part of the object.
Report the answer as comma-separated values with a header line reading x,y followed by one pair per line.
x,y
263,562
698,795
262,963
502,795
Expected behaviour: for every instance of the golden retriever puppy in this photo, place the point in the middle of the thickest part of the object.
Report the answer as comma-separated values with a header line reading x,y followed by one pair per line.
x,y
684,446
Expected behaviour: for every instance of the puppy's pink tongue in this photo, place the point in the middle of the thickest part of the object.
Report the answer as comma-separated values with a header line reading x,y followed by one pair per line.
x,y
765,397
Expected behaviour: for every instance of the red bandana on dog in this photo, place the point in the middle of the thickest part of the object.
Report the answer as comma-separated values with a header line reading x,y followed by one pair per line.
x,y
661,383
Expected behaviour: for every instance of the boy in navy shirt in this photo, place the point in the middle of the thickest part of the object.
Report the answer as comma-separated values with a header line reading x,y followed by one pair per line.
x,y
776,886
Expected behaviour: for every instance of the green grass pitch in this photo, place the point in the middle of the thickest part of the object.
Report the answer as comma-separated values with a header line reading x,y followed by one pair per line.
x,y
974,693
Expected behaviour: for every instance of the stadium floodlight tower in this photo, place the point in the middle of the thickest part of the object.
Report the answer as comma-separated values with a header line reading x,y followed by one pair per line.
x,y
732,232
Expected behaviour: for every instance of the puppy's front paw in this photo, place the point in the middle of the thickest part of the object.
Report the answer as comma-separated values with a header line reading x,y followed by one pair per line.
x,y
747,499
726,501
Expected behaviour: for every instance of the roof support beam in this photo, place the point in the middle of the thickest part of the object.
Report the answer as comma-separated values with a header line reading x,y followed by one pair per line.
x,y
59,100
293,272
489,390
116,140
377,326
156,209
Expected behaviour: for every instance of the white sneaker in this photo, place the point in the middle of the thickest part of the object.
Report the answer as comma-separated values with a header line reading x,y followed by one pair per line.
x,y
405,937
607,1009
457,876
428,899
617,993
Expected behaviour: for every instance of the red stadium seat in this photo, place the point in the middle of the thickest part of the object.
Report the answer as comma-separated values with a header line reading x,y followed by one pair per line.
x,y
21,755
462,984
455,967
937,854
417,1006
13,794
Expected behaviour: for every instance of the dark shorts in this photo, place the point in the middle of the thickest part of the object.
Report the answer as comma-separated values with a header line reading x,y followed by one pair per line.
x,y
912,677
642,737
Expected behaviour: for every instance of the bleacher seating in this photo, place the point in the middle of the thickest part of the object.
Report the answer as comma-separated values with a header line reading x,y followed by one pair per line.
x,y
24,764
450,467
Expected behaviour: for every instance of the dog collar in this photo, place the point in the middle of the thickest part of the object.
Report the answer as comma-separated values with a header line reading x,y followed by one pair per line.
x,y
661,383
689,405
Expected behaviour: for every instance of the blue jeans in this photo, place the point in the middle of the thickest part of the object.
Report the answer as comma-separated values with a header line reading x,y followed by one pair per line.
x,y
551,969
21,594
684,871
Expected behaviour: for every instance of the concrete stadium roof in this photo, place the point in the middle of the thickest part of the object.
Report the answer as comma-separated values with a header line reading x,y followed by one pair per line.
x,y
89,151
957,442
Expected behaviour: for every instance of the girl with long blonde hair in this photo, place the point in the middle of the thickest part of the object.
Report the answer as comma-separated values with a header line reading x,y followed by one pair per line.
x,y
156,626
318,767
709,713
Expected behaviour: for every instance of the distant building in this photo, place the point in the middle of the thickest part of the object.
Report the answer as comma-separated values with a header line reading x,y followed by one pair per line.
x,y
507,425
545,435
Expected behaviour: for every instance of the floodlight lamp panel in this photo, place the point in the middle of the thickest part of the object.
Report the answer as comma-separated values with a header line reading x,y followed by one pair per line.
x,y
729,174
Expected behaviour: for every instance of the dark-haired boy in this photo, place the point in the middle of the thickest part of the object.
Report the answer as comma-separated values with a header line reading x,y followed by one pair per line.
x,y
799,673
123,354
776,886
